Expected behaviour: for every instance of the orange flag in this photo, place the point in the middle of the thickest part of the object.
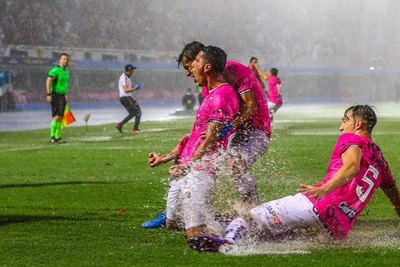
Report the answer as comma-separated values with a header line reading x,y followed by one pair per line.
x,y
68,117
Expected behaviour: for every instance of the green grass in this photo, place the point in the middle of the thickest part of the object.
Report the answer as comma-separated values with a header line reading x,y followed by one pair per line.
x,y
60,205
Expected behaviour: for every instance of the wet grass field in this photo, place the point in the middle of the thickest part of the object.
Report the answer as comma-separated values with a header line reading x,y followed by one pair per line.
x,y
82,203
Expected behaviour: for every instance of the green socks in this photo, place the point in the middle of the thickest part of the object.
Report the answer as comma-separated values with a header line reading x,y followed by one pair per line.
x,y
55,128
53,125
58,130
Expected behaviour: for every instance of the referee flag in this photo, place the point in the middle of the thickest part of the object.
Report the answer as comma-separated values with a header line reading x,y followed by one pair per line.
x,y
68,117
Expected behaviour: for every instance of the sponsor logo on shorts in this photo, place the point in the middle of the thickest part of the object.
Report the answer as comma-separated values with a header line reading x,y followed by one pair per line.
x,y
349,212
275,218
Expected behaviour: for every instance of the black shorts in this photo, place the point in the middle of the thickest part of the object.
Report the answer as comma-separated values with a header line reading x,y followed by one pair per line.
x,y
58,103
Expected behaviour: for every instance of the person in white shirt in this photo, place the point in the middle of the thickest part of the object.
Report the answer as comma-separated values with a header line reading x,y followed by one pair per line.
x,y
126,97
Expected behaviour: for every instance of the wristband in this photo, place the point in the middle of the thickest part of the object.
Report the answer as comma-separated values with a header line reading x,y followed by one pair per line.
x,y
49,94
225,130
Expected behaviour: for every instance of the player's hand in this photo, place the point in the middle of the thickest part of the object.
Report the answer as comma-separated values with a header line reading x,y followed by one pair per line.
x,y
312,191
48,98
225,130
137,86
154,159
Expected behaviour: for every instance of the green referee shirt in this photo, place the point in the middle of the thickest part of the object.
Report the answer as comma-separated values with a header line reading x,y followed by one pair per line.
x,y
60,80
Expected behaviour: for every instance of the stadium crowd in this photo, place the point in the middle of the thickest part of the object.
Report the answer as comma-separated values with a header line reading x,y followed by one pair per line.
x,y
272,31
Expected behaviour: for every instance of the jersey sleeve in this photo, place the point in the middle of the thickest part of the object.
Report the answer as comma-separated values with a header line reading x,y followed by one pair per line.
x,y
347,140
123,81
239,76
53,72
244,85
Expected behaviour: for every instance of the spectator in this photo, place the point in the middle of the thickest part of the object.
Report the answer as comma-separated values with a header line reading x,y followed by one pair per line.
x,y
188,100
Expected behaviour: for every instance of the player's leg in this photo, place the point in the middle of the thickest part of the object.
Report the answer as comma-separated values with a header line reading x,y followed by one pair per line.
x,y
127,103
174,213
172,209
243,154
247,188
197,195
274,218
285,215
271,108
55,118
58,103
138,114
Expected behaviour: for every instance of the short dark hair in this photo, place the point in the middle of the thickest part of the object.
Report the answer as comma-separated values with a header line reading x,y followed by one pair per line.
x,y
129,67
366,113
216,57
63,54
252,58
190,51
274,71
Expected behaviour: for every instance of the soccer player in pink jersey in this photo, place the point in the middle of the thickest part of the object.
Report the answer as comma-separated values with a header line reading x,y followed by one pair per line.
x,y
356,169
252,124
193,178
253,128
186,58
274,92
217,109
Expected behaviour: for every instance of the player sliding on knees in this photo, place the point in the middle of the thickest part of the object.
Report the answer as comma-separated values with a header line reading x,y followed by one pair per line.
x,y
193,178
252,126
356,169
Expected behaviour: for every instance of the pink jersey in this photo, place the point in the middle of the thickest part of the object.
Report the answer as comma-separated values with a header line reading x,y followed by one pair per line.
x,y
243,80
340,209
273,91
220,105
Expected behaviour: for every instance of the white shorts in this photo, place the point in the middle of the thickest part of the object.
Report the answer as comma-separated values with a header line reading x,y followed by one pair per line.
x,y
174,201
288,213
189,199
197,194
250,145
